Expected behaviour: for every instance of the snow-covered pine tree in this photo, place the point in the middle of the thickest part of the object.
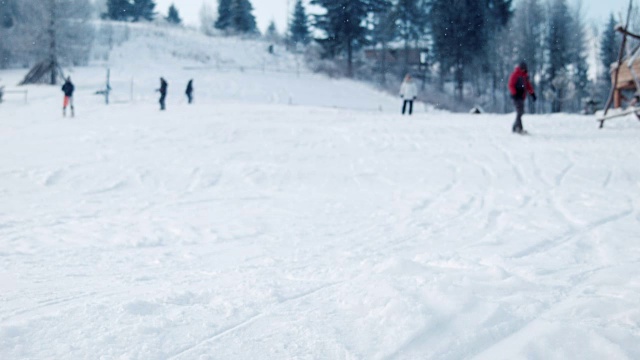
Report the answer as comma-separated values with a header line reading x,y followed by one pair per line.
x,y
7,13
609,48
411,24
489,70
558,57
299,27
225,16
578,55
173,16
143,10
272,32
384,31
7,22
345,27
118,10
242,19
498,13
459,37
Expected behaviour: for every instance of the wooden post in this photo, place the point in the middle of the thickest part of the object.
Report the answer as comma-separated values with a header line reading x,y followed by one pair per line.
x,y
614,89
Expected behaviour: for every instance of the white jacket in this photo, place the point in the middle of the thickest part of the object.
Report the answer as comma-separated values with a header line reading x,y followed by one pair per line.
x,y
408,90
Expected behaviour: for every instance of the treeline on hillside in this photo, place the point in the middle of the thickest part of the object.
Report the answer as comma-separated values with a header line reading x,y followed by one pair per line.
x,y
135,11
471,46
466,48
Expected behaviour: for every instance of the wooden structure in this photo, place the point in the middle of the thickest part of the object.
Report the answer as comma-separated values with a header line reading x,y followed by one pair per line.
x,y
627,79
45,72
628,70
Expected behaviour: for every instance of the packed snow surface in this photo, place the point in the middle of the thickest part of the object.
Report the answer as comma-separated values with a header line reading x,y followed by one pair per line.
x,y
247,228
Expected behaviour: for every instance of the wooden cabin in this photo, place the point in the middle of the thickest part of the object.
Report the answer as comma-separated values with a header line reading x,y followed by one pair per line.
x,y
626,80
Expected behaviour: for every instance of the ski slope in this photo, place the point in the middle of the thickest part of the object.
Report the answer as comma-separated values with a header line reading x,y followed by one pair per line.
x,y
243,227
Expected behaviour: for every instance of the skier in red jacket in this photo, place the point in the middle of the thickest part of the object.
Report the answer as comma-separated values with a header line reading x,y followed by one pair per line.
x,y
519,87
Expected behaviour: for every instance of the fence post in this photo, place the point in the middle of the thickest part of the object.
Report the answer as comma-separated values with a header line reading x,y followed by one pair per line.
x,y
108,87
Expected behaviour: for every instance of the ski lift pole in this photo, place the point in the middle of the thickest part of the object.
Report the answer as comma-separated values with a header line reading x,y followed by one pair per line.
x,y
107,90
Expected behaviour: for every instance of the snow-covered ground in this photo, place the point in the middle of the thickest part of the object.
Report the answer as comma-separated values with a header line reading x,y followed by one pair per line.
x,y
246,228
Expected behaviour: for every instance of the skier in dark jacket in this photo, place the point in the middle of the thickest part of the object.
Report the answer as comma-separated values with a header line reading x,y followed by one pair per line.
x,y
68,90
163,92
189,91
519,87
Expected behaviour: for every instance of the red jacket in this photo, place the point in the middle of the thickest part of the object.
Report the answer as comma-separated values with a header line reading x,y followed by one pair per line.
x,y
519,85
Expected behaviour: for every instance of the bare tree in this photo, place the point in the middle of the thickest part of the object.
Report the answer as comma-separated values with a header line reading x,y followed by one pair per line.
x,y
55,30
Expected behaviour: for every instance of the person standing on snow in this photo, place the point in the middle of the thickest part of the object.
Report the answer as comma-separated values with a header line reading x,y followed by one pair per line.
x,y
519,87
189,91
68,90
163,92
409,92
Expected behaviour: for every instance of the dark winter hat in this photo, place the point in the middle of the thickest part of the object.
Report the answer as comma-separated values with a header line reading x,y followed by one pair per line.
x,y
523,66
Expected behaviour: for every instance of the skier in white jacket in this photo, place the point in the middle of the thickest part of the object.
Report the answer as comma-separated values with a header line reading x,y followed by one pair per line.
x,y
409,92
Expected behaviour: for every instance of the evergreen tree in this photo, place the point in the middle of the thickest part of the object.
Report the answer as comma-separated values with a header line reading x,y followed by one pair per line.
x,y
498,13
410,22
344,25
300,25
7,13
609,48
8,22
459,37
173,15
272,32
578,54
384,31
242,19
224,21
143,9
558,56
119,10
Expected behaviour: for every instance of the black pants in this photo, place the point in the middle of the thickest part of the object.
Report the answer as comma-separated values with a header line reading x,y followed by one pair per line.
x,y
190,98
519,105
162,101
404,107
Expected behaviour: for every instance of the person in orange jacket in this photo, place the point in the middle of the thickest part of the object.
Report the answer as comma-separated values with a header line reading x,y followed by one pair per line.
x,y
520,87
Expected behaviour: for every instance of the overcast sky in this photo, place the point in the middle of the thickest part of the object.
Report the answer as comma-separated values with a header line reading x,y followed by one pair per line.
x,y
266,10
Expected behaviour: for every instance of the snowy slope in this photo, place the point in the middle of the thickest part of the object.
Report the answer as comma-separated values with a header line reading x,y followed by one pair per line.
x,y
245,228
228,70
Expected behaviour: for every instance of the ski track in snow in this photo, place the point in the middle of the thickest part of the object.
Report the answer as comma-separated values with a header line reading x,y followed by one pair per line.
x,y
249,230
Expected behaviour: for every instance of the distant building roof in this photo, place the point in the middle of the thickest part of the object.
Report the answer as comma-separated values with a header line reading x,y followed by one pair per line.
x,y
398,56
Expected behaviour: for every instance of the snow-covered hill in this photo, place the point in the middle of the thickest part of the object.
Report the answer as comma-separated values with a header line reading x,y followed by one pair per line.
x,y
245,228
226,69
